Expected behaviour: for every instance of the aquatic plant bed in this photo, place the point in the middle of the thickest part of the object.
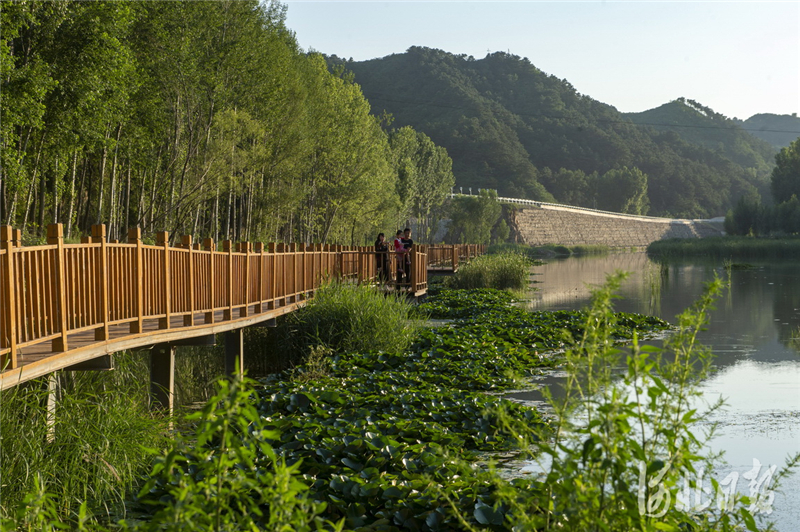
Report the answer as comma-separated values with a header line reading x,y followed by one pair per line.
x,y
394,441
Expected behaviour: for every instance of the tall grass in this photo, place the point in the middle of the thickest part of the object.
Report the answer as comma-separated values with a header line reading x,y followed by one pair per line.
x,y
728,247
94,452
346,317
504,271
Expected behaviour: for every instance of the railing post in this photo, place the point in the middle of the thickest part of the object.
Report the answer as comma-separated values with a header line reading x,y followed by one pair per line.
x,y
186,242
260,282
273,281
9,303
162,239
281,253
99,236
454,260
244,247
227,247
135,237
293,252
55,236
413,271
208,245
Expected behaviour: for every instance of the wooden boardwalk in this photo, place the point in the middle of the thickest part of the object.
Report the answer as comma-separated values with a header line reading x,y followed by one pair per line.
x,y
70,306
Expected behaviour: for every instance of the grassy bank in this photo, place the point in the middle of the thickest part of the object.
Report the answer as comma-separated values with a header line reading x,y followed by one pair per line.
x,y
549,250
728,247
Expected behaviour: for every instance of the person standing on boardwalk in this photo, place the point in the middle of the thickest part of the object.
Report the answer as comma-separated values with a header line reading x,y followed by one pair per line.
x,y
408,243
382,258
400,252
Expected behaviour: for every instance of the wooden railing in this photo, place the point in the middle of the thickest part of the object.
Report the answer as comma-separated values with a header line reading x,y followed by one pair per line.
x,y
448,257
55,291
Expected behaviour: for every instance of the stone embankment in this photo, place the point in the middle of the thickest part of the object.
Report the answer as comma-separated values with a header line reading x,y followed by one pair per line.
x,y
537,223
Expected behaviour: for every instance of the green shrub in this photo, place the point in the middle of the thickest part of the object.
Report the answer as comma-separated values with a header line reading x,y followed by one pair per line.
x,y
505,271
347,317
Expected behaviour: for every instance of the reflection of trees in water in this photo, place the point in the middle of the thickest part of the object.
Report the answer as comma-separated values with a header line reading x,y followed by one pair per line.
x,y
751,313
786,310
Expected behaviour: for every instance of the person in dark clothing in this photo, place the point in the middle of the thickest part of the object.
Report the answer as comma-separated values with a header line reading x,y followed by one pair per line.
x,y
408,243
400,254
382,258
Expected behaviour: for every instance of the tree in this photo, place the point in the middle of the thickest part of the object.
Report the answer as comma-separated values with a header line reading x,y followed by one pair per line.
x,y
424,176
623,190
473,217
786,174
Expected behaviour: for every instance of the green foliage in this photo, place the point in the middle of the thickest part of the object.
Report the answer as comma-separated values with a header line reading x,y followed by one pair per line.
x,y
786,174
474,217
92,457
347,317
727,247
505,271
226,476
424,175
623,190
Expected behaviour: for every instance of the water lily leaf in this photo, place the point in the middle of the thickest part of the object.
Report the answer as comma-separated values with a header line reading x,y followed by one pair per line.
x,y
486,515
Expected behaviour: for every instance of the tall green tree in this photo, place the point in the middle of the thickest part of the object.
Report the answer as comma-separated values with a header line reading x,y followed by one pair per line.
x,y
424,176
786,174
623,190
474,217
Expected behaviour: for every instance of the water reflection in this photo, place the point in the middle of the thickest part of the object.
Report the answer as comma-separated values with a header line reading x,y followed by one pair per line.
x,y
752,333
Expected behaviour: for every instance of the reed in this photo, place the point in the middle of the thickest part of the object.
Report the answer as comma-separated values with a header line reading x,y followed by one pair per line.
x,y
346,317
503,271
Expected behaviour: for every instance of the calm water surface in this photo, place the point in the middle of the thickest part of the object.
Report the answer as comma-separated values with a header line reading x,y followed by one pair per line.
x,y
757,371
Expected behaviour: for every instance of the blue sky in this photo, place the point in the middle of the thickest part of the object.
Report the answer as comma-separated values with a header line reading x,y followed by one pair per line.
x,y
739,58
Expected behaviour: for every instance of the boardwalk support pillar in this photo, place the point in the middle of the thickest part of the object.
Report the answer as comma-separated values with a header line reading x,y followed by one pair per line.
x,y
162,377
234,352
53,395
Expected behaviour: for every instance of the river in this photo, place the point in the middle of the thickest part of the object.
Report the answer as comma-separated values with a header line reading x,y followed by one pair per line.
x,y
757,369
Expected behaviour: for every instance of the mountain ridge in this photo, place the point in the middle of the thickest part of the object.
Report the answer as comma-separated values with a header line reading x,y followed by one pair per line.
x,y
510,126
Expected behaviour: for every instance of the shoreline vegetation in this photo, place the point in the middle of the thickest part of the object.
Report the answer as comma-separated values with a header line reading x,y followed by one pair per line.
x,y
355,437
549,250
728,247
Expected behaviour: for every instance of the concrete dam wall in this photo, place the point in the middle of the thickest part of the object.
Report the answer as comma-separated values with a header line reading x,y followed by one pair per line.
x,y
538,223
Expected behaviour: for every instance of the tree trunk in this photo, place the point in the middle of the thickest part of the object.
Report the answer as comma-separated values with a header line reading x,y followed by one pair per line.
x,y
68,221
99,217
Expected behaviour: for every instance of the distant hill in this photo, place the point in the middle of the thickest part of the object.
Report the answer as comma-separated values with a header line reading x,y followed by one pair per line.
x,y
508,125
777,130
700,125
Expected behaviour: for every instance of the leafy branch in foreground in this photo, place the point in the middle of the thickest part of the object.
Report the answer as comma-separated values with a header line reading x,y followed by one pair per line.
x,y
217,479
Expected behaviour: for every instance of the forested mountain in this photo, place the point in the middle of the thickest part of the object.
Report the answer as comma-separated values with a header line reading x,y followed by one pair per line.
x,y
200,118
777,130
700,125
508,125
